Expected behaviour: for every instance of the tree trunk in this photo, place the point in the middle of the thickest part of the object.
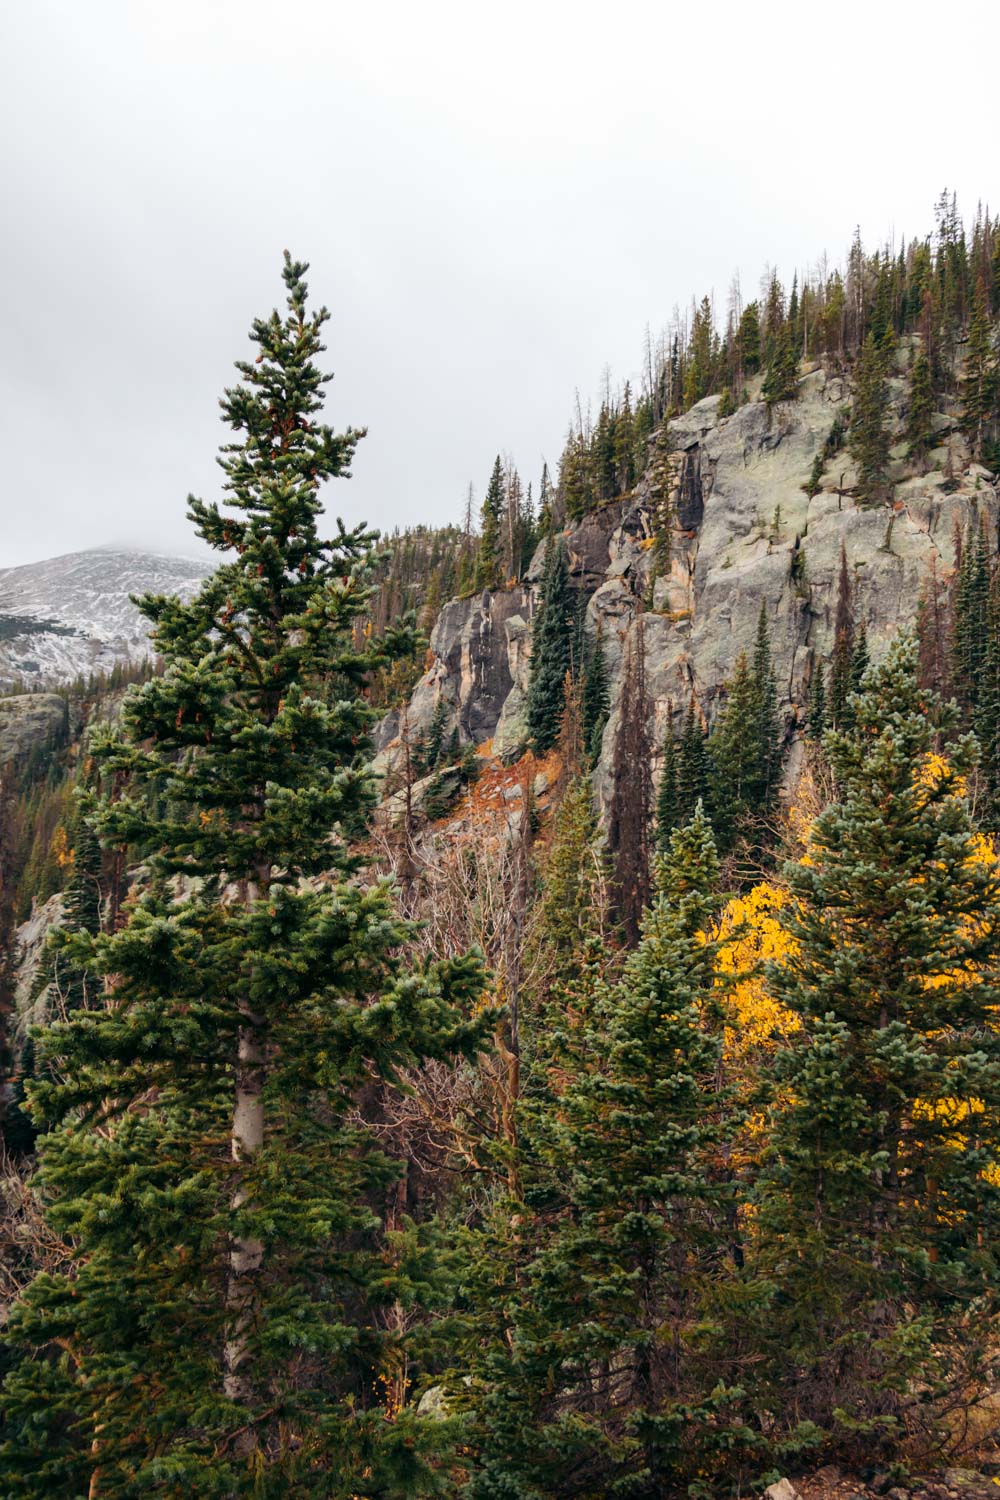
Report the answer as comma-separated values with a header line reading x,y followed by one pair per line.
x,y
246,1253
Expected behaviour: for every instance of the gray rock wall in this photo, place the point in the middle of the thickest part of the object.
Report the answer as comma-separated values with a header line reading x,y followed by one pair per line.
x,y
743,531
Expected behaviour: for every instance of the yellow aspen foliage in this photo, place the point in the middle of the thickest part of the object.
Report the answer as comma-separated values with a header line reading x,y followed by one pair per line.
x,y
751,935
62,853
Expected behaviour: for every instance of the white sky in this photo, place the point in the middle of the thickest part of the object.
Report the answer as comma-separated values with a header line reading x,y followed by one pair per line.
x,y
495,200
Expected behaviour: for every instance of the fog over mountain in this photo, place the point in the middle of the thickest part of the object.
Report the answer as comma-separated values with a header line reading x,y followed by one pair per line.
x,y
494,207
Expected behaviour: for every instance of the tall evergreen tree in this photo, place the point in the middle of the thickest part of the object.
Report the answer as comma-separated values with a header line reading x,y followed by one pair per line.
x,y
666,793
749,338
843,647
223,1329
869,435
551,649
596,699
694,769
592,1384
880,1209
489,559
744,747
979,378
970,631
767,720
817,703
781,380
919,424
734,754
630,808
859,658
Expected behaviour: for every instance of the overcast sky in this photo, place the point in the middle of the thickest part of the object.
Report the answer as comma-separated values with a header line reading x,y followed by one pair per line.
x,y
495,201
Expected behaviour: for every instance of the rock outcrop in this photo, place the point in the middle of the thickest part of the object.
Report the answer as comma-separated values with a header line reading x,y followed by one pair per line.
x,y
743,530
28,721
478,657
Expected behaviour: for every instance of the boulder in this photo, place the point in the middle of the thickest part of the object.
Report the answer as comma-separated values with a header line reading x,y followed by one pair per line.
x,y
783,1489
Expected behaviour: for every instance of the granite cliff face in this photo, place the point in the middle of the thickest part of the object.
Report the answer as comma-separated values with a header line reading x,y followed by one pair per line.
x,y
744,530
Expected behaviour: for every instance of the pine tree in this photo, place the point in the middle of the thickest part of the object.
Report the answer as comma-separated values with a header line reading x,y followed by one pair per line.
x,y
630,807
970,633
569,909
978,387
489,560
767,719
859,658
817,704
986,720
734,753
223,1330
666,794
694,769
745,745
591,1383
879,1208
551,650
919,426
749,338
546,519
781,380
869,435
843,648
596,699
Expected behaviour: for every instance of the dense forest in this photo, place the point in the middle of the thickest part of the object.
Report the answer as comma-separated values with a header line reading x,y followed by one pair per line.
x,y
631,1146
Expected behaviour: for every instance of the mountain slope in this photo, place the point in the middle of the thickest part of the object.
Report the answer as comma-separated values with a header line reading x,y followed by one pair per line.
x,y
72,615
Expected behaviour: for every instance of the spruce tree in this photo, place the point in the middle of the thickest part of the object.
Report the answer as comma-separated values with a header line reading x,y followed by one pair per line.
x,y
781,380
745,744
489,559
859,658
767,723
978,387
568,908
919,424
222,1330
630,809
749,338
551,649
694,769
591,1383
596,699
879,1209
817,704
986,721
869,434
666,793
734,753
970,630
843,648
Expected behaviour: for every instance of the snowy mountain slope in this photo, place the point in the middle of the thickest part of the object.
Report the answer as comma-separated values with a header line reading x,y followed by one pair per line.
x,y
72,614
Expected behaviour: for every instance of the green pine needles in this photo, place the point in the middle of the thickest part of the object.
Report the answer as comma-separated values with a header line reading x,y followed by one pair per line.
x,y
592,1383
552,639
879,1205
225,1328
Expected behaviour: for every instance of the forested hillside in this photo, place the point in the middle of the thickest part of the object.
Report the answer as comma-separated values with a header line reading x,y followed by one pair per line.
x,y
511,1010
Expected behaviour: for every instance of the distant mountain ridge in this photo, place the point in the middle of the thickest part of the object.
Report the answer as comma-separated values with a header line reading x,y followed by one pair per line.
x,y
71,615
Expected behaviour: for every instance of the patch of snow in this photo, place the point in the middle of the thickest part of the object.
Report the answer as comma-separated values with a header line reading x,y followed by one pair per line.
x,y
86,593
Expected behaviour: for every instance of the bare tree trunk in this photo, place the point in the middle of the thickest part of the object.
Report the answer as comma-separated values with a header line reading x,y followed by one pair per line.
x,y
246,1252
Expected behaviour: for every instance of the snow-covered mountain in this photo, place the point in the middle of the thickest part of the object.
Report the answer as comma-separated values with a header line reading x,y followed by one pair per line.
x,y
72,615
